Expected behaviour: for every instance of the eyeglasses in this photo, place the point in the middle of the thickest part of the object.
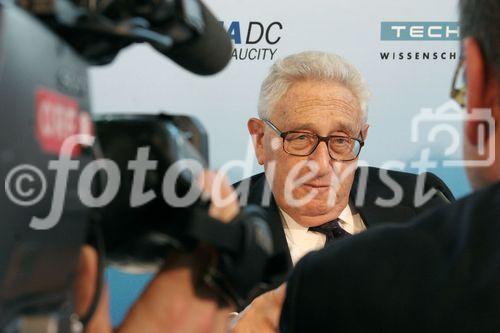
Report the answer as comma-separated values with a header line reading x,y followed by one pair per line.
x,y
459,94
301,143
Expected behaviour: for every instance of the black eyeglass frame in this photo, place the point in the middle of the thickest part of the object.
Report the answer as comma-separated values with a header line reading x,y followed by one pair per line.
x,y
325,139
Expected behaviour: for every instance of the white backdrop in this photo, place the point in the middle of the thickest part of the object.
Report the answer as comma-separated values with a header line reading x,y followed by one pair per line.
x,y
141,80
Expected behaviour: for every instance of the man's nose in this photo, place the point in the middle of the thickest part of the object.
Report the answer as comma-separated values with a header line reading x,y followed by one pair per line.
x,y
322,158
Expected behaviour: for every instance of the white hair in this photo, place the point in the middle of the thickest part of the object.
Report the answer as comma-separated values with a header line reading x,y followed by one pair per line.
x,y
313,65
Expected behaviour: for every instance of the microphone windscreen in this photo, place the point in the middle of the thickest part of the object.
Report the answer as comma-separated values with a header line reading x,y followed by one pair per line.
x,y
209,52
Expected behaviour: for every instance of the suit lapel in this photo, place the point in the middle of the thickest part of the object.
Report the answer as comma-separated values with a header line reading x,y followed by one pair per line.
x,y
258,188
364,200
371,213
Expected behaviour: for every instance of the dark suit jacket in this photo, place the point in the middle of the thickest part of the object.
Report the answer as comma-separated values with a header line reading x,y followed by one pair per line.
x,y
362,198
439,273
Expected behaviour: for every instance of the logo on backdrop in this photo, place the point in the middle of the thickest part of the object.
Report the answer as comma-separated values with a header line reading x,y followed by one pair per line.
x,y
254,41
405,32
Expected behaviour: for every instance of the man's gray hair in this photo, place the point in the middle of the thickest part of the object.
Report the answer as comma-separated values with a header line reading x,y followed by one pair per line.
x,y
312,65
481,19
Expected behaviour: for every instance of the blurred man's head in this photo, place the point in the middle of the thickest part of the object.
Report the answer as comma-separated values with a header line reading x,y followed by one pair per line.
x,y
480,29
318,95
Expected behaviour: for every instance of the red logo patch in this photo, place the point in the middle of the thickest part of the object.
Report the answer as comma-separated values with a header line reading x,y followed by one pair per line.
x,y
57,118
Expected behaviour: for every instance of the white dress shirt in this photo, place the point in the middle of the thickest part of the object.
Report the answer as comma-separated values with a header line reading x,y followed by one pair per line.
x,y
302,241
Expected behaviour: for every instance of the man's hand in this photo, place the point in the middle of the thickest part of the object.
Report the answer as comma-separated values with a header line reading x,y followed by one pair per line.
x,y
224,200
170,303
263,314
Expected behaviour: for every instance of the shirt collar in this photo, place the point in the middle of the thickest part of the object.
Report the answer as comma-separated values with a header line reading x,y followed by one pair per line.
x,y
291,224
346,216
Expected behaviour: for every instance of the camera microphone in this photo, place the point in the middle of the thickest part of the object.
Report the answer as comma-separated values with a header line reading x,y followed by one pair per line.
x,y
207,53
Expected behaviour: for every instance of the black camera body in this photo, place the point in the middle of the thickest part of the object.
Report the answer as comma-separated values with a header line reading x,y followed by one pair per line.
x,y
137,237
40,75
45,50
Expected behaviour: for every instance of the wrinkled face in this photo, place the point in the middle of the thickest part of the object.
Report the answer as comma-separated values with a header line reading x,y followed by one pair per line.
x,y
312,189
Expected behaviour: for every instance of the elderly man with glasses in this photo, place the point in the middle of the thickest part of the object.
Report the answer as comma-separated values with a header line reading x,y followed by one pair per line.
x,y
440,273
312,126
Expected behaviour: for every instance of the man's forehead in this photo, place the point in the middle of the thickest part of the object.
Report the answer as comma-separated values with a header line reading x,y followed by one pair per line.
x,y
305,106
306,92
325,111
306,97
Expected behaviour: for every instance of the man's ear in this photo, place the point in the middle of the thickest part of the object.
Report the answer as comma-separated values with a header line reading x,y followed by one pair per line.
x,y
364,131
477,81
86,277
256,130
84,290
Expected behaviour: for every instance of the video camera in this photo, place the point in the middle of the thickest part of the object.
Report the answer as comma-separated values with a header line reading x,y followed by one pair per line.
x,y
46,47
